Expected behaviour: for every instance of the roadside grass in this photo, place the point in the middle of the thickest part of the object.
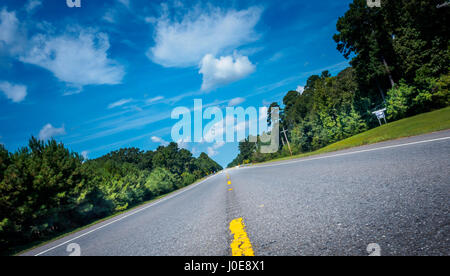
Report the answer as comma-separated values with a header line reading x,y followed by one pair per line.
x,y
25,248
420,124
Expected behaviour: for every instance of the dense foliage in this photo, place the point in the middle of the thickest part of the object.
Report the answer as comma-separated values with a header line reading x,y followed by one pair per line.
x,y
45,189
400,58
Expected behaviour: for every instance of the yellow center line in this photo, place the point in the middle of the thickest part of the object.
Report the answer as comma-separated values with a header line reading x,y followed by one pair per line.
x,y
229,182
230,189
240,246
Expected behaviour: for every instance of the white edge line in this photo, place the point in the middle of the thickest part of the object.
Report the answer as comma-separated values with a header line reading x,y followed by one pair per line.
x,y
128,215
347,153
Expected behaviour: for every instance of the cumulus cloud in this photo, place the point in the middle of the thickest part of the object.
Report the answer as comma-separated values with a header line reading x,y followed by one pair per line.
x,y
159,140
48,131
78,57
119,103
236,101
14,92
300,89
224,70
184,42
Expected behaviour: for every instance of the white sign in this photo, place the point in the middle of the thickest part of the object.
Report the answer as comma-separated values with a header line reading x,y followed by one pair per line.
x,y
380,115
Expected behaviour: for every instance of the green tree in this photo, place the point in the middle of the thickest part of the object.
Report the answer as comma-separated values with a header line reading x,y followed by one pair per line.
x,y
161,181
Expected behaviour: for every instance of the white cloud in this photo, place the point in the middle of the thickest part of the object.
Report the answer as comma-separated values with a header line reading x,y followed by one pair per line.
x,y
300,89
48,131
32,5
236,101
8,26
183,43
222,71
113,14
119,103
110,16
11,37
14,92
184,143
85,154
159,140
78,58
126,3
155,99
276,57
213,150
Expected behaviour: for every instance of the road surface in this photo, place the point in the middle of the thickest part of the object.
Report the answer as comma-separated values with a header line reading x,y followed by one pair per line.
x,y
393,194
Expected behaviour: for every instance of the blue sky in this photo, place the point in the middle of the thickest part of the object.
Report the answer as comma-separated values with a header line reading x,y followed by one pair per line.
x,y
108,75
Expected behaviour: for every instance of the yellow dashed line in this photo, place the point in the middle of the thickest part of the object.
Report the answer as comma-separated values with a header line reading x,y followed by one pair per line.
x,y
230,189
229,182
240,246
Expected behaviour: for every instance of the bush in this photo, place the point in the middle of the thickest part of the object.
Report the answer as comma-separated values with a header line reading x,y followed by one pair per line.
x,y
441,91
406,100
399,101
187,179
161,181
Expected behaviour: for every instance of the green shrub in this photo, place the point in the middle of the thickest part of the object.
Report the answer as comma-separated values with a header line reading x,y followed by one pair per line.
x,y
161,181
187,179
399,101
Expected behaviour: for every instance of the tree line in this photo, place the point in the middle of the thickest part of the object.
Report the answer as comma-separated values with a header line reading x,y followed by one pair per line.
x,y
45,189
400,58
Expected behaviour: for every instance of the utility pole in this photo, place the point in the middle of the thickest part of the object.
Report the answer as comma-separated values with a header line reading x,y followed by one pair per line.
x,y
285,136
381,92
386,66
282,140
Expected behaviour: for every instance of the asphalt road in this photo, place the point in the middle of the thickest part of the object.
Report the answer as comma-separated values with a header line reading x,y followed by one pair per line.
x,y
395,194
